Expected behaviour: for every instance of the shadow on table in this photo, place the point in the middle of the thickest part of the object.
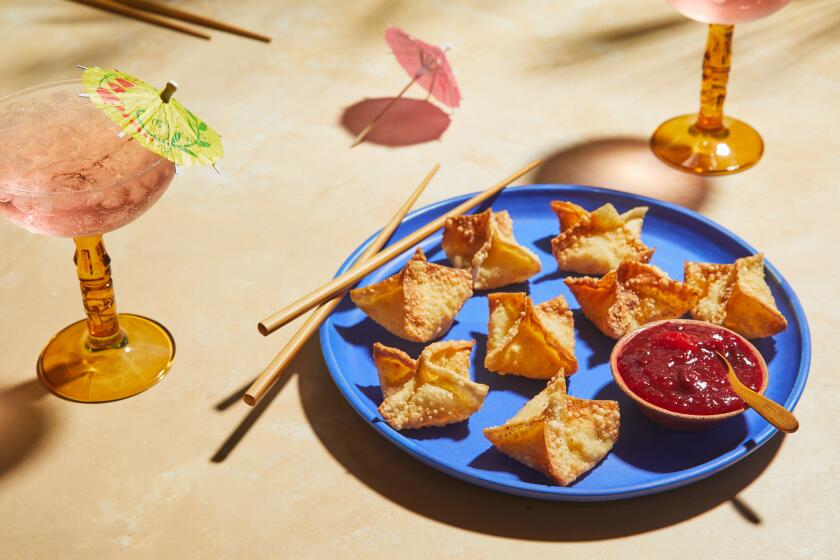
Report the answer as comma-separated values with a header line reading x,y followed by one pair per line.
x,y
23,424
253,413
622,163
423,490
407,122
590,43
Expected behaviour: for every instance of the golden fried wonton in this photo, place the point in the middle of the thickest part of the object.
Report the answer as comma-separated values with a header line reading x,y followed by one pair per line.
x,y
530,340
420,302
559,435
627,298
597,242
736,296
484,245
433,390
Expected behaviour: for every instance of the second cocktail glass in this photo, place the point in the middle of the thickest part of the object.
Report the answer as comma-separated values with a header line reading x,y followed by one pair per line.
x,y
708,143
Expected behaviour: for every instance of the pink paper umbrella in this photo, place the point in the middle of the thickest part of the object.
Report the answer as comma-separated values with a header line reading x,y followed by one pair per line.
x,y
427,66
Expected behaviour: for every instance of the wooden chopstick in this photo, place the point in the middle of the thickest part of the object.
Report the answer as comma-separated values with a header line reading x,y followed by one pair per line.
x,y
116,8
344,281
194,18
274,370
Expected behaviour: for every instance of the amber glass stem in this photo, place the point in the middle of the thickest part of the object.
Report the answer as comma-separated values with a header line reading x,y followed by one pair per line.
x,y
94,268
716,64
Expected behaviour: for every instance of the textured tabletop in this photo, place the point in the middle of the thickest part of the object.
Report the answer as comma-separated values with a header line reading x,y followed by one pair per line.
x,y
186,470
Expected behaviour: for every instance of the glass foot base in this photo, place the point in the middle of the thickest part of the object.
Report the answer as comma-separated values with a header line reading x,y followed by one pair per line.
x,y
735,148
71,370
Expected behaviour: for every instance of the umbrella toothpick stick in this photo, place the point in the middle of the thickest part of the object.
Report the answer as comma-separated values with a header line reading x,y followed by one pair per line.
x,y
432,87
167,91
360,138
419,60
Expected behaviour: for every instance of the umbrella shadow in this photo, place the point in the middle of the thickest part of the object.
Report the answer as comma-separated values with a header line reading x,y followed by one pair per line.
x,y
24,424
366,455
622,163
407,122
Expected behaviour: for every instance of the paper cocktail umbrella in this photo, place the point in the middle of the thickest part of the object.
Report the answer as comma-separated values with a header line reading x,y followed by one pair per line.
x,y
152,117
426,64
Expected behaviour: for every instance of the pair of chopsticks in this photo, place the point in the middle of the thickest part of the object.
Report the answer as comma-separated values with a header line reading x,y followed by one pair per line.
x,y
137,9
329,295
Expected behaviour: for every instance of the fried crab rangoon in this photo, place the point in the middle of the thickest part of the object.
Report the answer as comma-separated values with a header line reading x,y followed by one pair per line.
x,y
561,436
420,302
736,296
627,298
484,244
434,390
530,340
597,242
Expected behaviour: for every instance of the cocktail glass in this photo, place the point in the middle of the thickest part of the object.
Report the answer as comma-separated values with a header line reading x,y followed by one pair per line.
x,y
709,143
67,170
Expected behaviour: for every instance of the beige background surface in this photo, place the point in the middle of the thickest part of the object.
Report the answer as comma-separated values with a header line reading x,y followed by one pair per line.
x,y
182,471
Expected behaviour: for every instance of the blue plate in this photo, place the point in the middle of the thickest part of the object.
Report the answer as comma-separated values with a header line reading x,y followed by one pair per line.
x,y
647,458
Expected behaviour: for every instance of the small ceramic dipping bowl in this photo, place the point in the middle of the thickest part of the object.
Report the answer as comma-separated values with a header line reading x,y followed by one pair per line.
x,y
692,387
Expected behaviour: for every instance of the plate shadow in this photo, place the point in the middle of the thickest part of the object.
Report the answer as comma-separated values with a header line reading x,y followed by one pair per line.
x,y
430,493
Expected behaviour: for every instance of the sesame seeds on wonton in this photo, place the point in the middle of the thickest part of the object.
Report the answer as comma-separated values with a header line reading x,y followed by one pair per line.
x,y
434,390
559,435
484,244
736,296
597,242
530,340
627,298
420,302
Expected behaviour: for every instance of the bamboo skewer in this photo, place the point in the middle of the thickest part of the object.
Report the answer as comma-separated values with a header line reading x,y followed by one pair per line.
x,y
363,134
294,310
274,370
194,18
113,7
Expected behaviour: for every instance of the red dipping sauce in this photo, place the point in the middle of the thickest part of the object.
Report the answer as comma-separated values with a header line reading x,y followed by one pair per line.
x,y
673,366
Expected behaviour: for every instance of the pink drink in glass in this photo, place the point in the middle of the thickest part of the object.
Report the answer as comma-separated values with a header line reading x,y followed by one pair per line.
x,y
727,11
66,170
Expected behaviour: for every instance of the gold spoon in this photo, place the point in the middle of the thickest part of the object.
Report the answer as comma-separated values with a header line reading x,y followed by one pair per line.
x,y
771,411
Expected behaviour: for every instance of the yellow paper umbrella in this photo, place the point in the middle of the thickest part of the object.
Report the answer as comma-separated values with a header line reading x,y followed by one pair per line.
x,y
152,117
